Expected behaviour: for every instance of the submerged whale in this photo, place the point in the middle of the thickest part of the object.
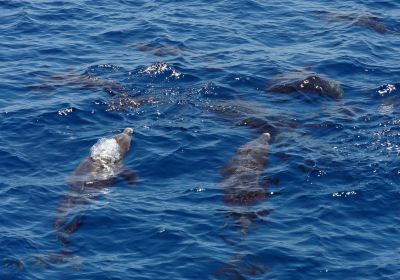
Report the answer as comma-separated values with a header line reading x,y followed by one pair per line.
x,y
242,183
101,169
304,81
372,22
367,20
159,49
251,115
243,187
83,81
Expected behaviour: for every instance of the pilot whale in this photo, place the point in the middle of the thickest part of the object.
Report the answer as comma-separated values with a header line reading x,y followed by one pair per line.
x,y
100,170
242,174
242,182
82,81
304,81
243,187
367,20
159,49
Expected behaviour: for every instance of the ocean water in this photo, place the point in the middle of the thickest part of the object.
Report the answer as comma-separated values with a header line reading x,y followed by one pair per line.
x,y
191,78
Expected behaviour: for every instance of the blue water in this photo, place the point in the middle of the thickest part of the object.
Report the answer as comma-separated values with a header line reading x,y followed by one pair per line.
x,y
67,71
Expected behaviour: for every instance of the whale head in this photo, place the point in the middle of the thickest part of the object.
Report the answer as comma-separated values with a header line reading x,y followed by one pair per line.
x,y
112,150
128,131
124,141
264,139
266,136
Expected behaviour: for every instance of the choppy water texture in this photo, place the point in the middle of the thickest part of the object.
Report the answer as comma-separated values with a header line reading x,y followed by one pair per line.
x,y
193,80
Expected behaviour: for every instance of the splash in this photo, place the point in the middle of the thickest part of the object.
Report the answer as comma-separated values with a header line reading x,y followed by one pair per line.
x,y
106,150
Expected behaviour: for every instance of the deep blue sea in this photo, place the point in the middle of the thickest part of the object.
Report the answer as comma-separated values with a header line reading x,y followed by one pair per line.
x,y
191,78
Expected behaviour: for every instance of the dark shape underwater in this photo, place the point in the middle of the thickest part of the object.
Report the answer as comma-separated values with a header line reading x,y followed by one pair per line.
x,y
370,21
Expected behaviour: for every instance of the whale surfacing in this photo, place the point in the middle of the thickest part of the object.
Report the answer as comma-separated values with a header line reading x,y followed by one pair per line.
x,y
304,81
104,162
101,169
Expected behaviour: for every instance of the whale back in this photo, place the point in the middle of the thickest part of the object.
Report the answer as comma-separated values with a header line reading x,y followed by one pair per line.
x,y
97,171
242,174
306,82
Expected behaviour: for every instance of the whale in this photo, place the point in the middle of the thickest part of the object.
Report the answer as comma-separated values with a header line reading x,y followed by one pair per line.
x,y
367,20
242,183
82,81
305,81
250,115
158,49
372,22
243,187
102,169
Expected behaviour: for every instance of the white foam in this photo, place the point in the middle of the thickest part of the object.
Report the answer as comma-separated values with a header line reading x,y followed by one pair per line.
x,y
106,150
